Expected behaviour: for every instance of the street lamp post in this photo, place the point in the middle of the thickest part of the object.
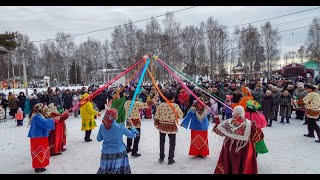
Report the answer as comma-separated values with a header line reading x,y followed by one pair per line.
x,y
23,50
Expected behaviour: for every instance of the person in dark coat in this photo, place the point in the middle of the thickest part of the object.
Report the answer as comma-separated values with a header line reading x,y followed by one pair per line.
x,y
236,96
299,94
22,101
276,95
67,100
46,98
13,104
55,99
41,97
4,103
268,107
257,93
35,100
285,106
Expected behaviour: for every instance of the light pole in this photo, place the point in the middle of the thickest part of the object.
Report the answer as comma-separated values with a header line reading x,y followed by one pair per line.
x,y
23,50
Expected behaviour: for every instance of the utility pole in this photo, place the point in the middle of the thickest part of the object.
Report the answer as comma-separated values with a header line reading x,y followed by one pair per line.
x,y
23,51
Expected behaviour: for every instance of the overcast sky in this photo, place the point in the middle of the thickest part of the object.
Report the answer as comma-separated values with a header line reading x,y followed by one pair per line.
x,y
43,22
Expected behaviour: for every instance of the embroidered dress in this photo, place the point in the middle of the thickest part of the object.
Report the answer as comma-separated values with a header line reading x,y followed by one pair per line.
x,y
39,144
57,137
40,152
238,153
199,131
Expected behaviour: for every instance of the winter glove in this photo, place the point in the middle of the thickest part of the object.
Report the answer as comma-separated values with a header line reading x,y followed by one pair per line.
x,y
134,130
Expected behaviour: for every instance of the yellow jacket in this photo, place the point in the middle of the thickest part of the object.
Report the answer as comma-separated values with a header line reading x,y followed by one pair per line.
x,y
87,111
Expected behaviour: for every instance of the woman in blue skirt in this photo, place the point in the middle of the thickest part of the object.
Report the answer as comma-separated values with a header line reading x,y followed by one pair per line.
x,y
114,158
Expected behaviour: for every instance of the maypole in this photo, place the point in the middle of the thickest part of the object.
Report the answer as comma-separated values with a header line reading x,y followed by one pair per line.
x,y
99,90
132,79
137,90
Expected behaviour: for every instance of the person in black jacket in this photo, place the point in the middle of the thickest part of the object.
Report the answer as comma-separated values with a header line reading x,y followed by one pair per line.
x,y
22,101
4,103
67,99
46,98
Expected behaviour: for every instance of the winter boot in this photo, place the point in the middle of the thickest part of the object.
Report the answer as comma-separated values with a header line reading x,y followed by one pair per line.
x,y
171,161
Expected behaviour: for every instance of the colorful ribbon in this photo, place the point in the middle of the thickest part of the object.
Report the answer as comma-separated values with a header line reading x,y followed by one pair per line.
x,y
182,84
138,87
99,90
135,78
129,81
201,88
167,101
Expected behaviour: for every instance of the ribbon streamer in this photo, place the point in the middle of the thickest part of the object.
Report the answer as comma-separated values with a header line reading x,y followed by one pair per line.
x,y
201,88
138,87
130,80
182,84
135,78
99,90
167,101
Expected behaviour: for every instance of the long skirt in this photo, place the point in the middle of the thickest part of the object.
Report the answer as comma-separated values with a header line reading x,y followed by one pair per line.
x,y
199,143
114,164
40,152
57,138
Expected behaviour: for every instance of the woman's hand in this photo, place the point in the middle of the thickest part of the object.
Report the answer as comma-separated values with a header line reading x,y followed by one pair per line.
x,y
57,119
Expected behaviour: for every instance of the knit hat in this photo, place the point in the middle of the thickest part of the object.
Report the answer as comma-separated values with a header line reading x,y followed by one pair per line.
x,y
109,117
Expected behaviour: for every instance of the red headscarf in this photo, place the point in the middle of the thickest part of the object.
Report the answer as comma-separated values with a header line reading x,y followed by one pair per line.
x,y
111,115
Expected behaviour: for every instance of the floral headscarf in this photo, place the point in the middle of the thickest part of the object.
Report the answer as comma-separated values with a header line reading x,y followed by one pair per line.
x,y
109,117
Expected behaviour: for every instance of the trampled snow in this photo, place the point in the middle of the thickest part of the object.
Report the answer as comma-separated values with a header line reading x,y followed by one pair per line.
x,y
289,151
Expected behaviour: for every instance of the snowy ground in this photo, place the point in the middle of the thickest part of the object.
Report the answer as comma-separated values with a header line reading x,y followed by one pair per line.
x,y
289,151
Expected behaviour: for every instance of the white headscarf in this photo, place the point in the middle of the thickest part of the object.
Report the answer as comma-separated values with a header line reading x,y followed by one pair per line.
x,y
238,110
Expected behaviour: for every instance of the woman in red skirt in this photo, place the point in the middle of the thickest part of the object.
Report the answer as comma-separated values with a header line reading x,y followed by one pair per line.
x,y
38,133
197,121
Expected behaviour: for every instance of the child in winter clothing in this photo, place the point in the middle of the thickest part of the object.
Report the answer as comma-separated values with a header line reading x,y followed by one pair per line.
x,y
19,117
214,109
75,100
2,114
